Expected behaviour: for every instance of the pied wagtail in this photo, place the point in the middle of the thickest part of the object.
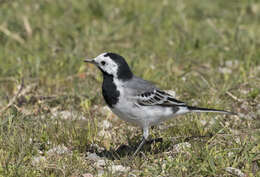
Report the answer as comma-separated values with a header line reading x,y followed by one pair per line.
x,y
136,100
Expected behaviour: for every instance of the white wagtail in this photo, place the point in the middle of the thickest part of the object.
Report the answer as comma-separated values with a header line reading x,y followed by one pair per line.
x,y
136,100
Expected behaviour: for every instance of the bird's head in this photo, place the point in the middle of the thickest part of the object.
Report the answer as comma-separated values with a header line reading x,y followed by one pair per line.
x,y
112,64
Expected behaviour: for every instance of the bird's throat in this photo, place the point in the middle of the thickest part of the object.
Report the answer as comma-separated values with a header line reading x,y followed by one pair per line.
x,y
109,90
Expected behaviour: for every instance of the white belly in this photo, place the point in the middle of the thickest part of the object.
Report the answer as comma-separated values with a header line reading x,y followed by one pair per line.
x,y
142,115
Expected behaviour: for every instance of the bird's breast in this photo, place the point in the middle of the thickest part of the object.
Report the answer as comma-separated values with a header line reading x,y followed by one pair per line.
x,y
110,91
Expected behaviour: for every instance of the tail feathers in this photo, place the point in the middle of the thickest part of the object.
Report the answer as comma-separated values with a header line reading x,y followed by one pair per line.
x,y
197,109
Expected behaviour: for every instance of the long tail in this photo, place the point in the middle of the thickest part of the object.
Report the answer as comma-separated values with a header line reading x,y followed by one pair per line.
x,y
197,109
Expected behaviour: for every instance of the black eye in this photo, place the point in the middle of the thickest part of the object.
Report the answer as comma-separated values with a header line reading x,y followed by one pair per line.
x,y
103,63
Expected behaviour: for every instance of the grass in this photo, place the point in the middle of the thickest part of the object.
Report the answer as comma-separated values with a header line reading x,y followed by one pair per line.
x,y
206,51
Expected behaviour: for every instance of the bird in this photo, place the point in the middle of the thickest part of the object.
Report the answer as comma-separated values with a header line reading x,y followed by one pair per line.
x,y
136,100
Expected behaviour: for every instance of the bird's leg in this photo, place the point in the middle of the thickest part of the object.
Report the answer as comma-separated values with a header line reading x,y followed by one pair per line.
x,y
140,146
145,136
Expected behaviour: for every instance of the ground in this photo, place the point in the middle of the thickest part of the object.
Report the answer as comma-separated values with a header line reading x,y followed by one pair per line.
x,y
53,119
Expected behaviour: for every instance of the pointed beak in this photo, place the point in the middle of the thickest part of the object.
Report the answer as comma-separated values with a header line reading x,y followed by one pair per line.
x,y
90,61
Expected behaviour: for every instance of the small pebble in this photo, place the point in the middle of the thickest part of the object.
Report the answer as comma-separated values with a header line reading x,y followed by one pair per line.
x,y
235,171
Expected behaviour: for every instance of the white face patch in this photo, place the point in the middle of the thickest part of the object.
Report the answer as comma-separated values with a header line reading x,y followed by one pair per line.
x,y
107,64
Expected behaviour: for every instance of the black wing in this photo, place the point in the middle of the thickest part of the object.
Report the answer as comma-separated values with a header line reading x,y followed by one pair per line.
x,y
157,97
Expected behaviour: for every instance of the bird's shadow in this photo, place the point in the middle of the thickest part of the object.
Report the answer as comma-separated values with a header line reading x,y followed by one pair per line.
x,y
124,150
128,150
